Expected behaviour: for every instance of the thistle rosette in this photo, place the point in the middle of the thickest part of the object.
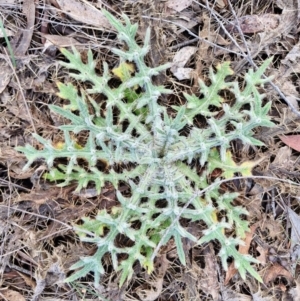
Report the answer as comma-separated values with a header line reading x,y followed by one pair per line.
x,y
157,154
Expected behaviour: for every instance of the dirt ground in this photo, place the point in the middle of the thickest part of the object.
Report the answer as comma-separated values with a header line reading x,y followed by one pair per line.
x,y
38,245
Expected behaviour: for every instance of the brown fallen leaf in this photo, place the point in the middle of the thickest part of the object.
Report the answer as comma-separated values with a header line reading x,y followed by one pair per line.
x,y
6,32
59,41
289,89
179,5
40,197
15,162
206,53
221,3
11,295
274,271
289,65
295,292
23,37
5,74
262,258
283,158
152,294
291,61
211,273
179,61
292,141
255,23
84,12
282,287
229,294
274,227
11,2
28,280
295,238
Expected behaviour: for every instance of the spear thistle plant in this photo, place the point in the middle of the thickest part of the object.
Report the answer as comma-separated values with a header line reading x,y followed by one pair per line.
x,y
156,151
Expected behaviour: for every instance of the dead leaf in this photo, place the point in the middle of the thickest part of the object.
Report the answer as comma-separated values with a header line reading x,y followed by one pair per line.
x,y
22,40
273,226
295,237
262,258
292,141
282,287
39,197
220,4
231,295
15,162
255,23
84,12
210,271
259,296
50,272
289,66
295,292
28,280
244,249
11,295
5,75
283,158
162,264
179,5
186,20
205,55
291,59
274,271
210,34
59,41
179,61
151,294
7,32
10,2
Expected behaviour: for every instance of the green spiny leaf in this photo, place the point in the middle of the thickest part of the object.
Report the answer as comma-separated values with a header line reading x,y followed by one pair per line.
x,y
130,139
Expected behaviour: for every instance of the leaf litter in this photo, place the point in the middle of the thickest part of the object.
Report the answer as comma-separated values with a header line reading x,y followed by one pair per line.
x,y
38,244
